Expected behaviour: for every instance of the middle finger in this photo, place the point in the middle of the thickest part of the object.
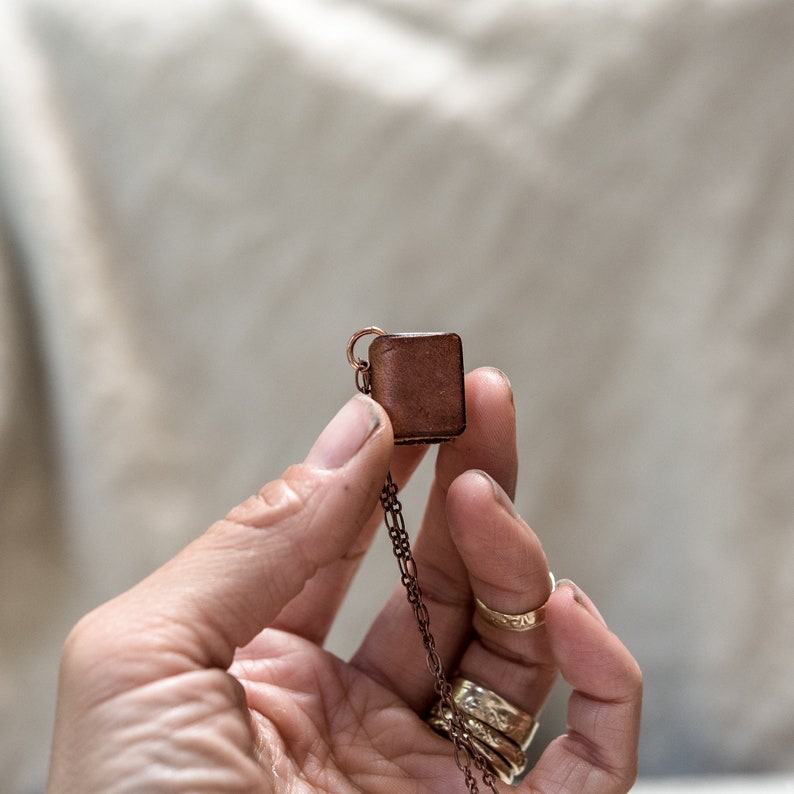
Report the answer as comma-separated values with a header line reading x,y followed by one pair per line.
x,y
509,573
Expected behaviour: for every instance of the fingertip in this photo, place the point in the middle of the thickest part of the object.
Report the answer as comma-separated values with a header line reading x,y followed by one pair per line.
x,y
490,380
489,442
492,375
573,591
477,483
359,420
591,657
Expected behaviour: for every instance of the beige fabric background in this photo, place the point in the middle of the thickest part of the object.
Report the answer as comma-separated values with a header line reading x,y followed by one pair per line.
x,y
201,201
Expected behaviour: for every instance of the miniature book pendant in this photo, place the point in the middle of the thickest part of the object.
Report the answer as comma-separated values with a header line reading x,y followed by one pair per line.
x,y
418,379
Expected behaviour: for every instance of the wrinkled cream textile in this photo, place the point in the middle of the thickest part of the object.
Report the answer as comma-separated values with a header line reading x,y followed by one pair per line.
x,y
201,201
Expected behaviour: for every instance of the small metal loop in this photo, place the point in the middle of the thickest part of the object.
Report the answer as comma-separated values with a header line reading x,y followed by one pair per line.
x,y
360,364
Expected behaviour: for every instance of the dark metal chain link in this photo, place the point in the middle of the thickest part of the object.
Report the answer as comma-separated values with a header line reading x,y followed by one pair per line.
x,y
465,753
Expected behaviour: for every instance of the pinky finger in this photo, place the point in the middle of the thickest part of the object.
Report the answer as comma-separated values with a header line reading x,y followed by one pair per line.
x,y
598,754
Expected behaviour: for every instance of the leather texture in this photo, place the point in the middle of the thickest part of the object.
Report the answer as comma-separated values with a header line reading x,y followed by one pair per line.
x,y
418,379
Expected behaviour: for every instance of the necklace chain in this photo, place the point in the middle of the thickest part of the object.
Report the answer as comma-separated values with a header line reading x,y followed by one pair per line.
x,y
465,753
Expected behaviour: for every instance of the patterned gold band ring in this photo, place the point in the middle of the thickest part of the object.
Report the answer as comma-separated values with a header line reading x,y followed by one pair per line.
x,y
498,730
523,621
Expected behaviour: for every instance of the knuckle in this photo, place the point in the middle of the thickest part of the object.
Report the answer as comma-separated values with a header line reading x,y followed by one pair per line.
x,y
280,497
278,500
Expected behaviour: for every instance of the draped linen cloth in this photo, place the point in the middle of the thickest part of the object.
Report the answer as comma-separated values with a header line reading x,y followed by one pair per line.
x,y
200,202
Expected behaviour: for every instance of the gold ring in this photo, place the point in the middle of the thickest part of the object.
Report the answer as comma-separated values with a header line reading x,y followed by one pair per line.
x,y
486,706
495,728
523,621
498,764
485,734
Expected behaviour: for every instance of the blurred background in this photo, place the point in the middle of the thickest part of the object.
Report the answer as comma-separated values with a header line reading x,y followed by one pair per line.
x,y
201,201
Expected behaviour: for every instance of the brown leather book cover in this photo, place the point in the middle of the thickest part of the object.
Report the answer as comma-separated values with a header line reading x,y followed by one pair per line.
x,y
418,379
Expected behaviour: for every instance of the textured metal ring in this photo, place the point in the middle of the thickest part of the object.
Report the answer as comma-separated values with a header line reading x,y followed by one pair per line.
x,y
489,736
495,728
475,700
523,621
497,763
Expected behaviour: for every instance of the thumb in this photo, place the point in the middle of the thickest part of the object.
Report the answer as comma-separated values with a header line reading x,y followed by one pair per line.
x,y
229,584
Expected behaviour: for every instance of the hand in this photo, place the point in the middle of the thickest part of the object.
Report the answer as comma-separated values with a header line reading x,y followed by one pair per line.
x,y
210,674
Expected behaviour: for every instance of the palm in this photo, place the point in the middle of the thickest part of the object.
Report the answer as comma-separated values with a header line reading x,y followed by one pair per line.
x,y
325,726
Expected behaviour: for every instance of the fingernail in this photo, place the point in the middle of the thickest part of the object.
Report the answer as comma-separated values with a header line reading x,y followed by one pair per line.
x,y
577,593
499,494
501,375
345,434
581,598
498,375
